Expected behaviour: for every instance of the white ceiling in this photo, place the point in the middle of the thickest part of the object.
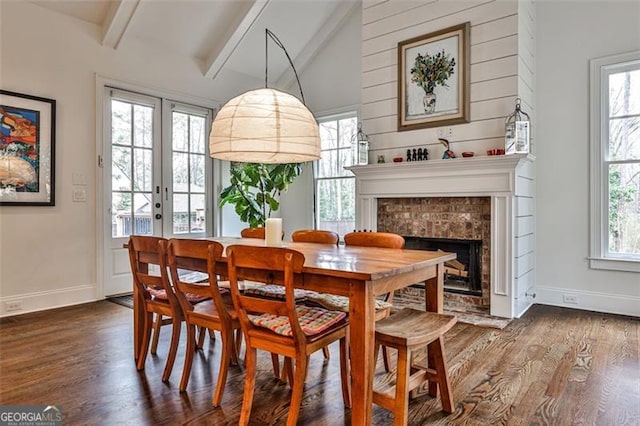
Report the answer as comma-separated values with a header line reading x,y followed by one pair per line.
x,y
218,34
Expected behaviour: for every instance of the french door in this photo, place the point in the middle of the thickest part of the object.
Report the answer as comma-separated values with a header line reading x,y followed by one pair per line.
x,y
157,176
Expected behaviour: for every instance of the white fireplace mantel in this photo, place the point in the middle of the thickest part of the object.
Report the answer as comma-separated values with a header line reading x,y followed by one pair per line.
x,y
510,182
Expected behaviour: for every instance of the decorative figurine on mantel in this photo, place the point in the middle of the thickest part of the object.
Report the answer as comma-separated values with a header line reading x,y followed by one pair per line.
x,y
420,154
447,152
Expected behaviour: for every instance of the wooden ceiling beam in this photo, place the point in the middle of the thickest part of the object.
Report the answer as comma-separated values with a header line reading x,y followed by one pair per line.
x,y
117,21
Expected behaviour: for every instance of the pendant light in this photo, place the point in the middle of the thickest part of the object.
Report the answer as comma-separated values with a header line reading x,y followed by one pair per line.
x,y
266,125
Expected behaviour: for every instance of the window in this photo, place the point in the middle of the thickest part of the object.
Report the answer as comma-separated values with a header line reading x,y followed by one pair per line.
x,y
335,186
615,162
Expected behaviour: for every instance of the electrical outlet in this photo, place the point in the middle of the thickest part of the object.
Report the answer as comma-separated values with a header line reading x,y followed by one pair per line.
x,y
16,305
570,298
445,132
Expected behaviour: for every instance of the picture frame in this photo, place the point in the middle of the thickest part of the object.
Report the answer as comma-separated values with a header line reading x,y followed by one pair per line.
x,y
433,79
27,150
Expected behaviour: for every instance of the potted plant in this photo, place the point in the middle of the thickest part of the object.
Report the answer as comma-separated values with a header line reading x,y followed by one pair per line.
x,y
430,71
255,189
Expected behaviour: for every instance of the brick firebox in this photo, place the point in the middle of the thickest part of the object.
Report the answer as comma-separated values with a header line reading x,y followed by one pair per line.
x,y
466,218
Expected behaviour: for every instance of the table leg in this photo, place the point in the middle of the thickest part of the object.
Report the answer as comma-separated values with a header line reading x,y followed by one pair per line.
x,y
434,291
434,300
362,327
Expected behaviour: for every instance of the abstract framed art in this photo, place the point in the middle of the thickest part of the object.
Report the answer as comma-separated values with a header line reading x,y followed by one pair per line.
x,y
27,150
433,79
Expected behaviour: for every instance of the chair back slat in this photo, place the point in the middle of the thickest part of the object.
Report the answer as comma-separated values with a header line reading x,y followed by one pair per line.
x,y
145,251
374,239
195,256
258,232
315,236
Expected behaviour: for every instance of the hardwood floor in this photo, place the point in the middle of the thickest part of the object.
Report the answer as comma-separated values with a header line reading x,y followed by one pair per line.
x,y
554,366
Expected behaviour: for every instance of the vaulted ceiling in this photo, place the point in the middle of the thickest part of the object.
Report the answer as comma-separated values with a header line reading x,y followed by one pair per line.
x,y
217,34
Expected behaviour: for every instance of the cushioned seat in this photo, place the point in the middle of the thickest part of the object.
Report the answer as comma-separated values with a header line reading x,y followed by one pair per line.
x,y
313,320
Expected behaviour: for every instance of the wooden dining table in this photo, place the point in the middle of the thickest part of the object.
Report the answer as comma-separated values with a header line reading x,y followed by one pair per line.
x,y
361,274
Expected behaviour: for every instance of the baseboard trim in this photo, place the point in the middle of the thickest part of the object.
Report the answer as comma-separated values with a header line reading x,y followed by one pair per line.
x,y
44,300
589,301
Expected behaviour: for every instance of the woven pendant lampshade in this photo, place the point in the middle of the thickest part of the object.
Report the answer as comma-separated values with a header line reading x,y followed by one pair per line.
x,y
265,126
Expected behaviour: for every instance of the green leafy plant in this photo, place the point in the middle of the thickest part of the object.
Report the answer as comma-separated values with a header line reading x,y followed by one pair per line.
x,y
255,189
430,71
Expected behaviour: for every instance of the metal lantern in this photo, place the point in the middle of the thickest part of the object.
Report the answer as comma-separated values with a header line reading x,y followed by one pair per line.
x,y
517,132
360,147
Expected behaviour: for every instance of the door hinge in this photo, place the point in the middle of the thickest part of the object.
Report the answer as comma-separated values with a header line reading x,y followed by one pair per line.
x,y
100,161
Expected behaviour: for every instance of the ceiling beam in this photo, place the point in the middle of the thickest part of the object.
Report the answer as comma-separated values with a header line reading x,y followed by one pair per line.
x,y
319,40
219,55
117,21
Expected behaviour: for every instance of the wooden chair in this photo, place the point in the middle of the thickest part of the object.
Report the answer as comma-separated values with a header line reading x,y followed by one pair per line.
x,y
155,297
214,314
406,330
320,237
382,240
258,232
315,236
279,326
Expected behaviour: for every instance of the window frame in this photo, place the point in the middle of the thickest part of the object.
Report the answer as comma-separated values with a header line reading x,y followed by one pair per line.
x,y
600,69
322,118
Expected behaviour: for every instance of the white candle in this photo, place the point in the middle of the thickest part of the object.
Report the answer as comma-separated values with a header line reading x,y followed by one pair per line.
x,y
273,231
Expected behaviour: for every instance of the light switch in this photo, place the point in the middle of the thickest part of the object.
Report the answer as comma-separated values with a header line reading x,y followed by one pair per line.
x,y
79,195
79,179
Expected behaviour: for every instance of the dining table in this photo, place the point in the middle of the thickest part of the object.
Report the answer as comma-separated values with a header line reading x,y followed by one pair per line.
x,y
361,274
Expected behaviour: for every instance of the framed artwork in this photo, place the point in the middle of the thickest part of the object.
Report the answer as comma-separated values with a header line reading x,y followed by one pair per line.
x,y
27,149
433,79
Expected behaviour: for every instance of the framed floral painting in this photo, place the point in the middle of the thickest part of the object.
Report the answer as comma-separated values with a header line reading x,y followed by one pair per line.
x,y
27,149
433,79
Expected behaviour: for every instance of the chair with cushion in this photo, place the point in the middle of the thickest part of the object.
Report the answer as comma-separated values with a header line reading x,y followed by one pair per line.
x,y
217,313
155,296
281,326
317,236
407,330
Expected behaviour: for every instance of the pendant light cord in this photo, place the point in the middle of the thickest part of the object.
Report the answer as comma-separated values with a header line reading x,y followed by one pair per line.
x,y
278,43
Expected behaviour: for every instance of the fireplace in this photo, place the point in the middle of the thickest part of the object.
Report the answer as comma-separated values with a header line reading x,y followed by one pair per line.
x,y
507,182
462,275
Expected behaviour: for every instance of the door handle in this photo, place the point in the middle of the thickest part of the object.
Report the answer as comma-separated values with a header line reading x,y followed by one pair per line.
x,y
158,216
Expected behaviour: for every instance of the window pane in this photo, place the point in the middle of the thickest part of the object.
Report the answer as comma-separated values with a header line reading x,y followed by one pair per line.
x,y
328,163
345,160
624,94
142,169
120,168
180,172
197,173
328,135
120,123
142,225
348,128
180,213
143,125
197,134
624,139
347,200
197,213
624,209
120,214
180,132
336,205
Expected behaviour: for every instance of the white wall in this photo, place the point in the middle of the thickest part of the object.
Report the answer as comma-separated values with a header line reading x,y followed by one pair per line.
x,y
48,254
570,33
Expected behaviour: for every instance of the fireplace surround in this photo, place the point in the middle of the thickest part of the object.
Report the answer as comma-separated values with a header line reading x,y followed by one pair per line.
x,y
509,184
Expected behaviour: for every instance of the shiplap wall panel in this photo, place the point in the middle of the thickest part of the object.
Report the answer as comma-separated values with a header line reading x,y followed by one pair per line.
x,y
494,78
386,33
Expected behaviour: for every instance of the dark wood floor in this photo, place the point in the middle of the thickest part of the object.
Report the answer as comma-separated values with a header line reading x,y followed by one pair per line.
x,y
554,366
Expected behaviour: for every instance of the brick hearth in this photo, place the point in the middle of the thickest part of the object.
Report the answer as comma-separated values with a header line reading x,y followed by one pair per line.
x,y
443,217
